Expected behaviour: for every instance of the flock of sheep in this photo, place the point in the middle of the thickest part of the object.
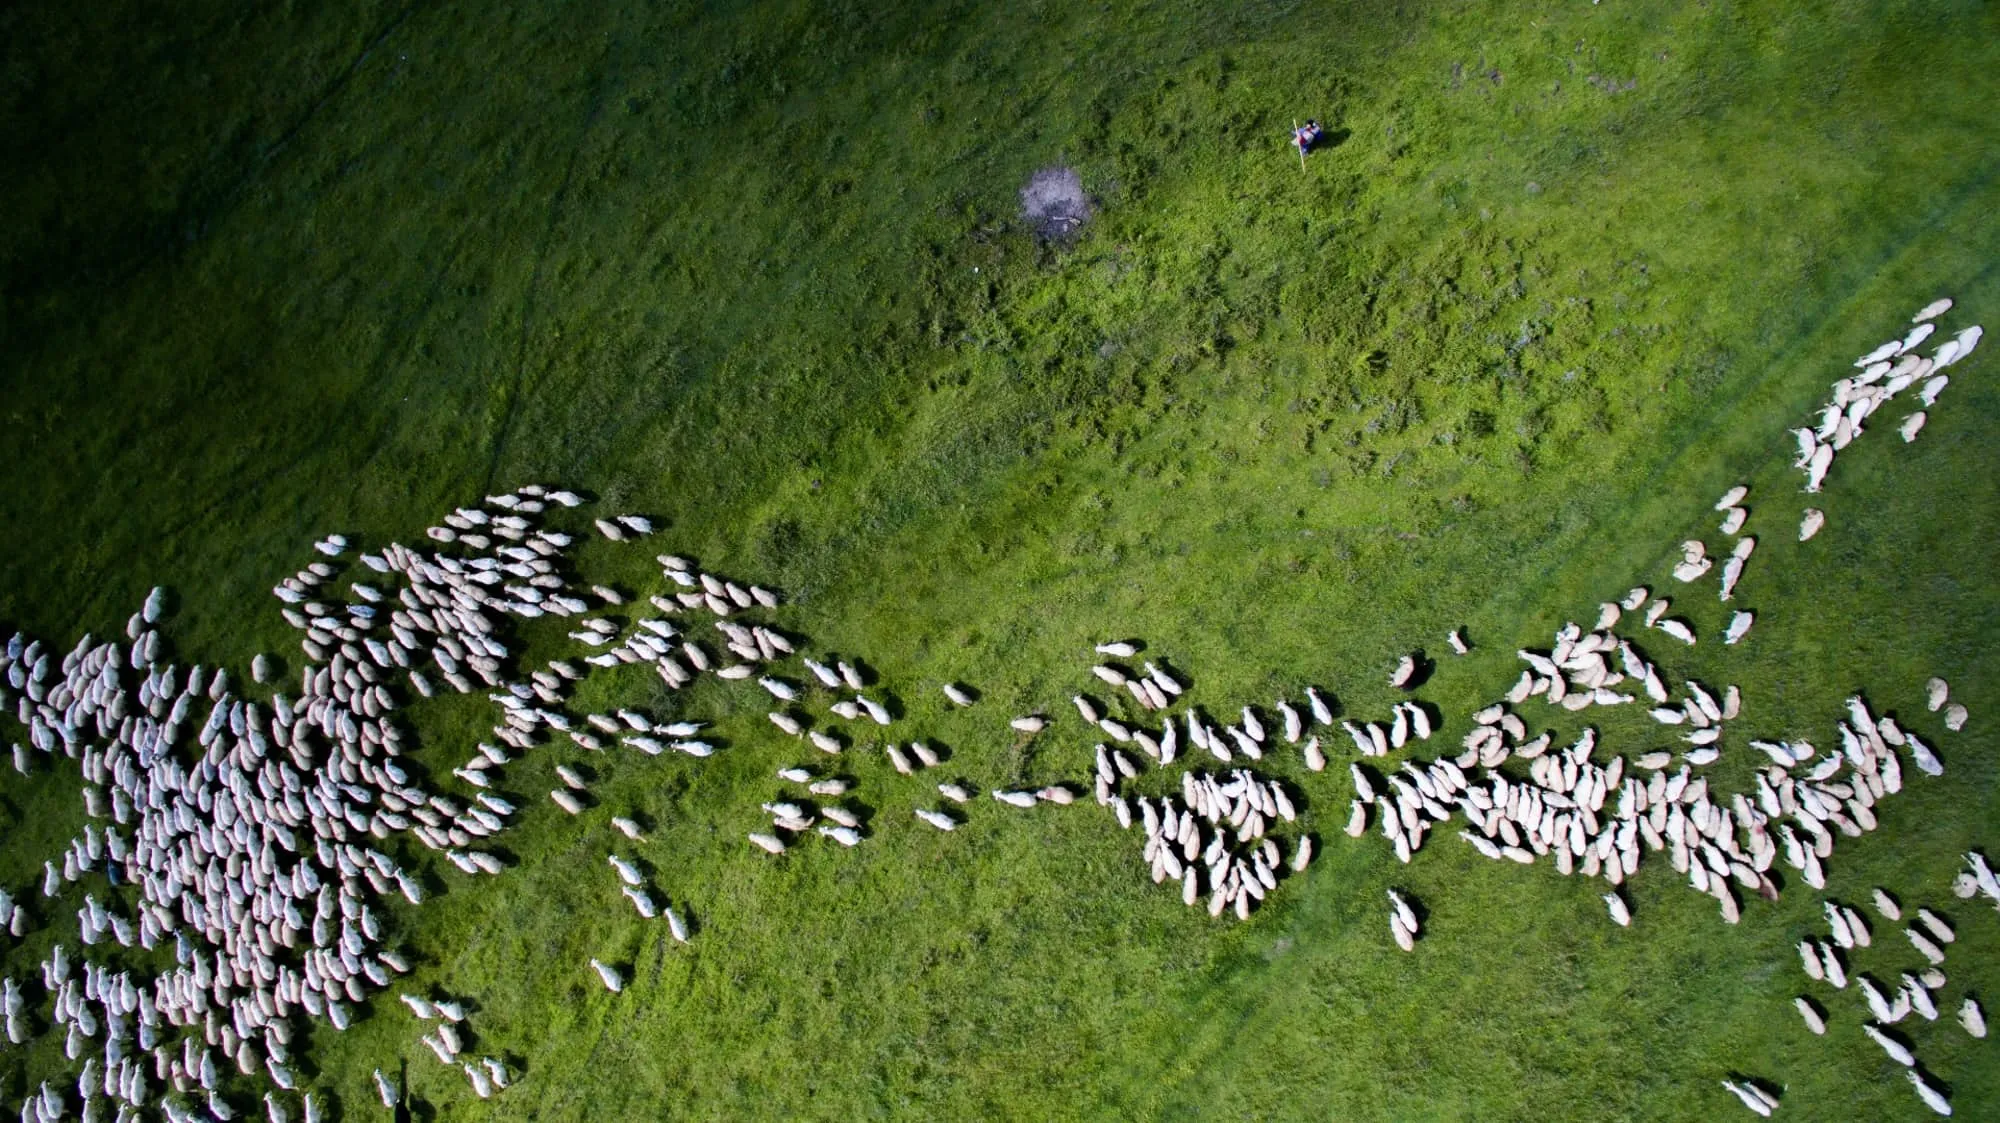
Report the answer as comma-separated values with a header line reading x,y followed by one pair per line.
x,y
243,829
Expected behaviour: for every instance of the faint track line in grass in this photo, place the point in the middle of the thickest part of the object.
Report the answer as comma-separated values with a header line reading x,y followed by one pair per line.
x,y
518,384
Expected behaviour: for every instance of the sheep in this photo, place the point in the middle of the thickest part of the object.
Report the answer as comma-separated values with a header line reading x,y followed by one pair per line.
x,y
1620,914
846,836
1406,669
1932,1098
1919,997
1886,905
1677,629
1925,946
387,1090
1811,523
1033,723
1015,799
954,793
1932,310
1294,727
1897,1051
957,694
1814,1020
566,801
1322,712
1877,1004
1935,927
1405,939
1315,759
942,821
1118,649
1168,684
767,843
627,872
676,926
1921,754
1739,626
1752,1097
1303,854
824,742
1911,426
612,980
1972,1017
1936,693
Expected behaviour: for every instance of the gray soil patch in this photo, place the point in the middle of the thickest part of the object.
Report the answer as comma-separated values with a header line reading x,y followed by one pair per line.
x,y
1055,204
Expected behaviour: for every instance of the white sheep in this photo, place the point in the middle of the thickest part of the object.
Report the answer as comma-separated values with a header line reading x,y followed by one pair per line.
x,y
613,981
1406,669
1932,1098
944,822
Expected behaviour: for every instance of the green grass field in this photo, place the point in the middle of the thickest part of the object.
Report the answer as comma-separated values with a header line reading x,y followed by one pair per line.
x,y
1569,272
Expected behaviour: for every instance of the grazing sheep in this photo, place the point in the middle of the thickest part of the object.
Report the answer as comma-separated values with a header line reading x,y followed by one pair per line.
x,y
613,981
628,828
846,836
1015,799
1911,426
387,1090
1403,912
1752,1097
1811,1013
1405,939
957,694
1972,1017
1936,693
1457,642
566,801
767,843
1620,914
676,926
1406,669
954,793
1925,946
1322,712
944,822
1886,905
1937,929
1302,856
1932,1098
1921,754
1677,629
1034,723
1118,649
1739,626
1954,717
1812,522
1932,310
1897,1051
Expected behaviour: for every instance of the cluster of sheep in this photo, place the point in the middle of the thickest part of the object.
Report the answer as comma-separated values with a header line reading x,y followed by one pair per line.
x,y
447,1043
1213,839
233,851
232,838
1886,371
1917,991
